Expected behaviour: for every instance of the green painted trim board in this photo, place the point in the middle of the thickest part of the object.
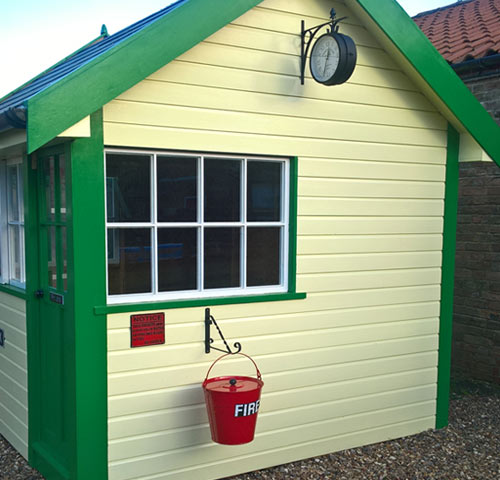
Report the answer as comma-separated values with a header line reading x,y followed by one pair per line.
x,y
202,302
292,229
447,278
11,290
32,282
87,247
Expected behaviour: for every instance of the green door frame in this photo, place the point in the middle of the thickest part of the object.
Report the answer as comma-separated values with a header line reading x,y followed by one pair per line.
x,y
86,252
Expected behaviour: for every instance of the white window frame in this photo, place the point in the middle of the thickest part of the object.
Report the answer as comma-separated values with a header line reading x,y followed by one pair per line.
x,y
283,224
7,274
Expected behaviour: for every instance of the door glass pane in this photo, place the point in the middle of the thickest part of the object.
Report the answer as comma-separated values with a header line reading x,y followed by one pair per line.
x,y
222,186
64,257
62,186
13,200
128,182
51,257
15,252
177,189
129,260
222,257
177,266
263,256
49,178
264,191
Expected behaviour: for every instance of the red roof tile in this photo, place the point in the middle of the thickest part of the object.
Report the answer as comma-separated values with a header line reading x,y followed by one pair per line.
x,y
463,30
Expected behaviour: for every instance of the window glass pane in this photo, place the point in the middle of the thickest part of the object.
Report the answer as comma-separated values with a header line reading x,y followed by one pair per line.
x,y
128,188
62,186
263,256
15,253
222,257
20,195
64,255
13,194
49,176
51,257
177,268
222,186
264,191
129,260
177,189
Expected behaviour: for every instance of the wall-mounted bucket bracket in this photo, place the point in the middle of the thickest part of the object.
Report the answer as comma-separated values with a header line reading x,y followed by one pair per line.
x,y
209,320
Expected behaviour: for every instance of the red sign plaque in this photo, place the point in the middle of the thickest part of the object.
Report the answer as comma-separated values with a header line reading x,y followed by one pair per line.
x,y
147,329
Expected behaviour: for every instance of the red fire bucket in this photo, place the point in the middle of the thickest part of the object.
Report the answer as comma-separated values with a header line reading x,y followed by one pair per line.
x,y
232,405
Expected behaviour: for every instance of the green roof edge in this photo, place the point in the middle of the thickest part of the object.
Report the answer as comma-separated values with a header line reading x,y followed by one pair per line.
x,y
58,107
407,37
67,57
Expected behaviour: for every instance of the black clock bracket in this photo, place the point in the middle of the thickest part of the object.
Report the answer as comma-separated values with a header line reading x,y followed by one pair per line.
x,y
333,54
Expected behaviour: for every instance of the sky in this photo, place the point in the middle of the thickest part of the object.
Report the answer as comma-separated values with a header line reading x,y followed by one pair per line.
x,y
35,34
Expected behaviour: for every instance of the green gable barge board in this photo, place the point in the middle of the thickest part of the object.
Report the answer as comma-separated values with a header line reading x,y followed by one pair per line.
x,y
123,66
400,29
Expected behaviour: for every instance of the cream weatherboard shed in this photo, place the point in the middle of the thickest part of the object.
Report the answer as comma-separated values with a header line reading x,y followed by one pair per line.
x,y
180,164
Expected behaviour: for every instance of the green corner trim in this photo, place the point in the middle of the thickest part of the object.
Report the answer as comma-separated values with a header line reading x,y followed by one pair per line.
x,y
11,290
428,62
88,286
447,278
57,108
32,283
201,302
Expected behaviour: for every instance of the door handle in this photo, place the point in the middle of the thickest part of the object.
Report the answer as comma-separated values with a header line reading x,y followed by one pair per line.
x,y
39,293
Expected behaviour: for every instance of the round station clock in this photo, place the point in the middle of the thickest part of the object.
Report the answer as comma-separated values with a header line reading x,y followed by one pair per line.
x,y
333,58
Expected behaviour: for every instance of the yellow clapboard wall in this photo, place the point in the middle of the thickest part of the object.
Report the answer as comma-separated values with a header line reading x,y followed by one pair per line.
x,y
13,373
356,361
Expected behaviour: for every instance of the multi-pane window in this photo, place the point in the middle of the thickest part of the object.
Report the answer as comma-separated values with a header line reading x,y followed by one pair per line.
x,y
12,224
193,226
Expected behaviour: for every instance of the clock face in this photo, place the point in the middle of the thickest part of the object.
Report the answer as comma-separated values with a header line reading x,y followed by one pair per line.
x,y
325,58
333,58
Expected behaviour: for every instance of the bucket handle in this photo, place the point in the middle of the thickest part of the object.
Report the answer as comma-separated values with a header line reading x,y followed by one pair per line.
x,y
259,376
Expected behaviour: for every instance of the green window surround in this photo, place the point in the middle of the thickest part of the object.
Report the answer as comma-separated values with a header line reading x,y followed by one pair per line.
x,y
118,208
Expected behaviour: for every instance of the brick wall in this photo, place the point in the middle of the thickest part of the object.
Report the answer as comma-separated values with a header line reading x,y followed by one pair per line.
x,y
487,91
476,330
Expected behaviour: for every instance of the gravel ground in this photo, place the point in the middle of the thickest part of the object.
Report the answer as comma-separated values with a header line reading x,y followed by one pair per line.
x,y
469,448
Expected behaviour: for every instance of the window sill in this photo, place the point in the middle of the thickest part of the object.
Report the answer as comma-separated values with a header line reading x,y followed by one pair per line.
x,y
11,290
198,302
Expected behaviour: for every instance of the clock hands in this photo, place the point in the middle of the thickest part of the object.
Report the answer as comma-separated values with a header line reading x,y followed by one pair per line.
x,y
326,61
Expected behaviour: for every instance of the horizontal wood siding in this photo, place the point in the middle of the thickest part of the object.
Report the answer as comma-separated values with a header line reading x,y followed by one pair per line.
x,y
356,361
13,373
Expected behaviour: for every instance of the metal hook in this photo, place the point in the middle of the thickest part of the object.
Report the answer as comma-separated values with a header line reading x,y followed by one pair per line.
x,y
209,320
